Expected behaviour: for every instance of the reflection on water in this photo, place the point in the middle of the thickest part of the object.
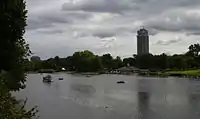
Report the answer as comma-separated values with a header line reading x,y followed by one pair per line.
x,y
194,99
143,98
83,89
143,105
100,97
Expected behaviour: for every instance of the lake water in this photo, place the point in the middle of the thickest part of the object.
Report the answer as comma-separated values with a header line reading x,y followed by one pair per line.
x,y
100,97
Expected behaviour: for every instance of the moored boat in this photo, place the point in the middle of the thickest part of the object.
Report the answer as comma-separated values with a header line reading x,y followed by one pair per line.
x,y
60,78
120,82
47,78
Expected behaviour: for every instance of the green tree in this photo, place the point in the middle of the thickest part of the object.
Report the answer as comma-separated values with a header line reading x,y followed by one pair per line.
x,y
13,54
13,48
86,61
48,64
96,64
161,61
117,63
69,63
145,61
129,61
194,55
107,60
194,50
178,62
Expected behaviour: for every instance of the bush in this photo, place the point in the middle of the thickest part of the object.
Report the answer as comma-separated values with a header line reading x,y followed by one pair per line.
x,y
10,109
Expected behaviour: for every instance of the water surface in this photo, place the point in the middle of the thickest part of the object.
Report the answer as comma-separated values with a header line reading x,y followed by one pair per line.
x,y
100,97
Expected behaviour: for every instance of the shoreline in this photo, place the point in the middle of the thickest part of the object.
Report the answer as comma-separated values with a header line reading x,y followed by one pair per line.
x,y
181,74
195,74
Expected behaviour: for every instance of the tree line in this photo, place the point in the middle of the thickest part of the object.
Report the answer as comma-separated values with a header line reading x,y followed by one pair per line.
x,y
86,61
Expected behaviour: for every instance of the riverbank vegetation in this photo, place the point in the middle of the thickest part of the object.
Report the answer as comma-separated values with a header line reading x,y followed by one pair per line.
x,y
192,73
13,51
163,64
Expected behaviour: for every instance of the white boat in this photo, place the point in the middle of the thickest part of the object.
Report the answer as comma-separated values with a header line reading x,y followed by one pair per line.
x,y
47,78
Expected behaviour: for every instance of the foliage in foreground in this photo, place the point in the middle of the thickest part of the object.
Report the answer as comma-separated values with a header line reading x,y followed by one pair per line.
x,y
10,108
13,47
13,51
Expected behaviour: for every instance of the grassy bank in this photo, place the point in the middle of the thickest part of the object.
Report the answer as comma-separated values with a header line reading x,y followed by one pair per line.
x,y
184,73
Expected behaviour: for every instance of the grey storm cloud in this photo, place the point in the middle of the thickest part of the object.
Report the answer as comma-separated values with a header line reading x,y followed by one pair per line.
x,y
36,24
82,10
84,23
52,31
176,21
109,32
123,6
168,42
45,20
104,34
193,33
113,6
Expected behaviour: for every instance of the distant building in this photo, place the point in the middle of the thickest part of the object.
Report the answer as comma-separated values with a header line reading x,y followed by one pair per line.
x,y
128,69
35,58
142,42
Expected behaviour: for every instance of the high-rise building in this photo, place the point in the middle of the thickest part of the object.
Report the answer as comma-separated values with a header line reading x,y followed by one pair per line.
x,y
142,42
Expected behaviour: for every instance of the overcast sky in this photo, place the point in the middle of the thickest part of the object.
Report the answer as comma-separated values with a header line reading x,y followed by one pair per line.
x,y
61,27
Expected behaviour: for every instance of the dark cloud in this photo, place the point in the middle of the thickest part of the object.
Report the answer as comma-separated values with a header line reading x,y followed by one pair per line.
x,y
153,32
45,20
78,10
89,23
51,31
113,6
168,42
185,3
37,24
108,32
138,7
104,34
179,20
176,21
197,33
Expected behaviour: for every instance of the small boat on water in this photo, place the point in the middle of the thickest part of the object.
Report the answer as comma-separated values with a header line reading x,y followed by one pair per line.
x,y
47,78
60,79
120,82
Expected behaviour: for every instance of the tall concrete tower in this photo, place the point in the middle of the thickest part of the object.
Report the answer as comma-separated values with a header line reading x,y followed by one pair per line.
x,y
142,41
